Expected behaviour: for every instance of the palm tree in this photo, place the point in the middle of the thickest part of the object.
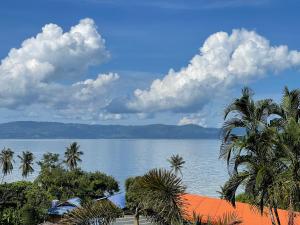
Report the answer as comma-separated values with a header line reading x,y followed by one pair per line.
x,y
288,145
6,161
247,146
72,155
161,197
26,163
289,108
176,162
93,213
289,179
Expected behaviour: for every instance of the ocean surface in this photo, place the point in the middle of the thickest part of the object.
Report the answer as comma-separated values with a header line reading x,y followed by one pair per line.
x,y
203,172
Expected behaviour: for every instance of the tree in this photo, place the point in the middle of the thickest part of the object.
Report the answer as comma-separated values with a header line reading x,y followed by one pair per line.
x,y
176,162
26,163
23,202
93,213
289,108
49,161
72,155
287,121
248,142
63,184
134,194
158,196
161,197
6,161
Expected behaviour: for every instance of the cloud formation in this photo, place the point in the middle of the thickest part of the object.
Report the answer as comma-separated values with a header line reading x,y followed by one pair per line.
x,y
224,60
192,119
50,70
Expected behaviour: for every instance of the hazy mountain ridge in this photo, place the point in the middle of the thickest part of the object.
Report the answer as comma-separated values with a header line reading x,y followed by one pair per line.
x,y
52,130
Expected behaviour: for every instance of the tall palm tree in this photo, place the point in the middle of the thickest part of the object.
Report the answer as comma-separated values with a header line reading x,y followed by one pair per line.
x,y
26,163
176,163
161,197
6,162
93,213
247,146
72,155
289,179
288,124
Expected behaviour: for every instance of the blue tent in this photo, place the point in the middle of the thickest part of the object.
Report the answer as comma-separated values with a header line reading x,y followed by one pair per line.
x,y
64,207
118,199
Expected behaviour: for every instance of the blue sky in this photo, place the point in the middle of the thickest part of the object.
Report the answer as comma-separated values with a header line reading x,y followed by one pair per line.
x,y
143,40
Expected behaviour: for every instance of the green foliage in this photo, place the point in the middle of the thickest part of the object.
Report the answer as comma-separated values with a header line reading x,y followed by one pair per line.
x,y
244,197
27,203
49,161
29,215
6,161
64,184
157,195
23,200
26,163
261,144
10,216
93,213
133,193
72,156
176,163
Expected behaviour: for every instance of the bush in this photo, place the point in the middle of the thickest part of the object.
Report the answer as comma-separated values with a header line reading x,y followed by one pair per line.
x,y
63,184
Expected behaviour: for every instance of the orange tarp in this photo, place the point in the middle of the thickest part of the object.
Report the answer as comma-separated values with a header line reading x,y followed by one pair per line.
x,y
214,208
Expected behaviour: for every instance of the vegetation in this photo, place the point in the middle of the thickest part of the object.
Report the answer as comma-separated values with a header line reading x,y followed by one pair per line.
x,y
261,141
6,162
72,156
27,202
26,163
101,212
22,203
176,163
157,195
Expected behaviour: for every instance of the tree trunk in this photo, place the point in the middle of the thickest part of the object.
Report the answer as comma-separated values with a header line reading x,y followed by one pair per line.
x,y
137,217
272,215
291,213
277,216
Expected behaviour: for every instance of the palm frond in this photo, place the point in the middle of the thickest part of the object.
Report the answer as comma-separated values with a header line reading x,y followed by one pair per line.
x,y
162,197
93,213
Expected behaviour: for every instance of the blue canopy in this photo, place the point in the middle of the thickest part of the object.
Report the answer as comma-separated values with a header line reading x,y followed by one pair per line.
x,y
74,201
65,207
118,199
60,210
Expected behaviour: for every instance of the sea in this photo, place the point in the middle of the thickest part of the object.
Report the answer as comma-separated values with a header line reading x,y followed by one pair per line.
x,y
203,173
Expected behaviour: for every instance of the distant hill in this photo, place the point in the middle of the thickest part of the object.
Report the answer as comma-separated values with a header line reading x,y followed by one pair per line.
x,y
52,130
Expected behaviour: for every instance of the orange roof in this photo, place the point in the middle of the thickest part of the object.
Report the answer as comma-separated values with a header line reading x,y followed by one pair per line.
x,y
214,208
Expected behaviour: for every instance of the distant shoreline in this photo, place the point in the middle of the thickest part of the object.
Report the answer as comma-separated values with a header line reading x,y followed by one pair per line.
x,y
55,130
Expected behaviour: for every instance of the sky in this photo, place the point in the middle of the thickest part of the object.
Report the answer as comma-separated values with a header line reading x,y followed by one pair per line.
x,y
139,62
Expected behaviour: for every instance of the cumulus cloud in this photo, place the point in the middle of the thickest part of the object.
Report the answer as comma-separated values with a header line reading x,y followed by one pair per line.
x,y
50,70
192,119
224,60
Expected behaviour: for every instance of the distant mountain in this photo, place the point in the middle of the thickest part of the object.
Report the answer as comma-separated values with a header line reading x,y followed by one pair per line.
x,y
52,130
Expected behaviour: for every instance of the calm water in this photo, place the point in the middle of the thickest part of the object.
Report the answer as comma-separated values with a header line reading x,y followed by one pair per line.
x,y
203,174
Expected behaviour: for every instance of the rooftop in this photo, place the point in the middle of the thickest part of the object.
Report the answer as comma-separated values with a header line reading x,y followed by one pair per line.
x,y
214,208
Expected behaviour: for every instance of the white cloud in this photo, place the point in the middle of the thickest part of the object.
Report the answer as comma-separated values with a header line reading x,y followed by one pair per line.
x,y
89,89
47,71
224,60
109,116
186,120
